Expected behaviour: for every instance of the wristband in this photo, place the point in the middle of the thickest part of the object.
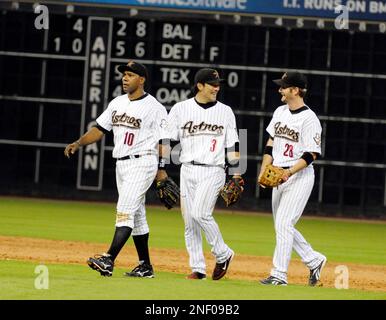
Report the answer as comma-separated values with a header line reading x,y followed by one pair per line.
x,y
268,150
307,157
162,164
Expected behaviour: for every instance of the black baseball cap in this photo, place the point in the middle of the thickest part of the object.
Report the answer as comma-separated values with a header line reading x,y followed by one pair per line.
x,y
207,75
292,79
134,67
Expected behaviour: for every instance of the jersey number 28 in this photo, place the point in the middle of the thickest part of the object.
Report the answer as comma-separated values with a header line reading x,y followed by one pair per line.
x,y
289,150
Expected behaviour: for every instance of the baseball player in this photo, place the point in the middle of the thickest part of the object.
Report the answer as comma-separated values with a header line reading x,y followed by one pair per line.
x,y
294,143
136,119
205,127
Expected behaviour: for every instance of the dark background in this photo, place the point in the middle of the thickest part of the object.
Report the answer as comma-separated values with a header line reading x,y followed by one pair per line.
x,y
41,88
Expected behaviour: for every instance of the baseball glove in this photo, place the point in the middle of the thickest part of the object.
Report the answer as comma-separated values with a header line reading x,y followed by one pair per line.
x,y
232,190
272,176
168,192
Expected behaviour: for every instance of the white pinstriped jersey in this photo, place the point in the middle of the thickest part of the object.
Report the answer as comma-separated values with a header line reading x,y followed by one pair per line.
x,y
294,133
137,125
203,133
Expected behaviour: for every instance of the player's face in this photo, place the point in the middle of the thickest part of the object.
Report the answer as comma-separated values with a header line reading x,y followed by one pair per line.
x,y
131,82
286,94
209,92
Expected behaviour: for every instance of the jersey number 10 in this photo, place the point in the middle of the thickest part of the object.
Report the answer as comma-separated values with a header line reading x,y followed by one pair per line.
x,y
129,138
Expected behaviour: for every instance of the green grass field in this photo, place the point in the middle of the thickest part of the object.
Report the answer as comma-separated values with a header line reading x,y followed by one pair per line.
x,y
342,241
76,282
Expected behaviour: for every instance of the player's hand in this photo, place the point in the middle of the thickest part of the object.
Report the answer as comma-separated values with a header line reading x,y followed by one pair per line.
x,y
71,149
286,175
161,175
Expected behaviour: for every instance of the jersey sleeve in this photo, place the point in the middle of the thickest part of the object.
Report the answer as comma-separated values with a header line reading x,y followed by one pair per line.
x,y
231,135
270,129
105,119
172,125
312,137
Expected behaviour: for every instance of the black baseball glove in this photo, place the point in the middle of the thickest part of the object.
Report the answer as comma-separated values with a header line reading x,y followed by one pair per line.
x,y
232,190
168,192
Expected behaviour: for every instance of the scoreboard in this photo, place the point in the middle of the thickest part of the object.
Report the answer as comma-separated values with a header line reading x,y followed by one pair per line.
x,y
58,66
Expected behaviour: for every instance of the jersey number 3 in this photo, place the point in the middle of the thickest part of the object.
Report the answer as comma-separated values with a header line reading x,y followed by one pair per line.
x,y
129,138
289,150
213,145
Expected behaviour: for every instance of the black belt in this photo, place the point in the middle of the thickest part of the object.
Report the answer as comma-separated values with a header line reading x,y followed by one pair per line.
x,y
204,164
135,156
197,163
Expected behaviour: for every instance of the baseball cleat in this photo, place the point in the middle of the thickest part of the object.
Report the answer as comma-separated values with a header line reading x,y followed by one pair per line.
x,y
143,270
274,281
196,276
314,279
221,268
102,263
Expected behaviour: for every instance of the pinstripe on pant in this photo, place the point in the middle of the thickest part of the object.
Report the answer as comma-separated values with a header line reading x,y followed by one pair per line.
x,y
288,203
134,177
200,186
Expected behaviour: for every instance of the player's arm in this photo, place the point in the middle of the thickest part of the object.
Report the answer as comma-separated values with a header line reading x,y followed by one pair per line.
x,y
233,160
169,133
93,135
164,154
306,159
232,152
267,156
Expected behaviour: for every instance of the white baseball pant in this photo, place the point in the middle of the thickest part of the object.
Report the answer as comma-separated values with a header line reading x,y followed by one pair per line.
x,y
134,177
288,202
200,186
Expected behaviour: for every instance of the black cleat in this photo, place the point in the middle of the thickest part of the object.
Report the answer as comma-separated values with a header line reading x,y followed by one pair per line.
x,y
274,281
143,270
221,268
102,263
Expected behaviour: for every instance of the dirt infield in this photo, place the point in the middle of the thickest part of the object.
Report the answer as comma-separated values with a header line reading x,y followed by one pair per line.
x,y
364,277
